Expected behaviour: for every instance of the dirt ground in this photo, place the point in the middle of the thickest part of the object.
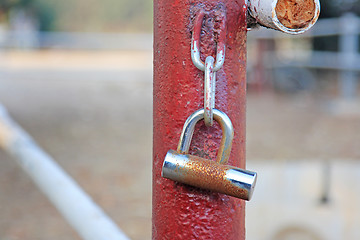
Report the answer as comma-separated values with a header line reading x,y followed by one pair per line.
x,y
92,111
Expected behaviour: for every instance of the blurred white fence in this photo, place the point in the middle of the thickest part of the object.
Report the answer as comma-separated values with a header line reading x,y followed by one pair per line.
x,y
80,211
305,200
297,52
77,40
348,57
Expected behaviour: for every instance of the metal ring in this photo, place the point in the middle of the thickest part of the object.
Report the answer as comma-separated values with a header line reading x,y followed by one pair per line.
x,y
227,134
209,90
195,44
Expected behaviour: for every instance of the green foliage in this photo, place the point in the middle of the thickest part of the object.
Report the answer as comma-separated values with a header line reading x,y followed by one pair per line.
x,y
40,9
46,17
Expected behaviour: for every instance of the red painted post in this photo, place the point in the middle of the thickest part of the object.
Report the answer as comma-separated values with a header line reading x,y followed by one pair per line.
x,y
181,211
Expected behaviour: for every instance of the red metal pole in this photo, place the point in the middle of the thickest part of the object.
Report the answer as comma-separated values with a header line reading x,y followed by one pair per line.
x,y
181,211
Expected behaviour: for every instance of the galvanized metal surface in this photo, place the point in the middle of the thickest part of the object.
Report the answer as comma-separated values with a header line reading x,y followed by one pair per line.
x,y
209,91
195,43
227,134
180,211
209,67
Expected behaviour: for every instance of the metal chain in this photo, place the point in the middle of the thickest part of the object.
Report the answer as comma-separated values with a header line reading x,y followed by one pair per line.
x,y
209,90
210,67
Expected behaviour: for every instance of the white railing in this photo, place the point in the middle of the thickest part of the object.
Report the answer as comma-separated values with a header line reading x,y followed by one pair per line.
x,y
81,212
76,40
346,59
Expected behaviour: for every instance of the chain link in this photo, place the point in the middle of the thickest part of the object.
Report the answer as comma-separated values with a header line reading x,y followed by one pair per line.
x,y
209,90
210,67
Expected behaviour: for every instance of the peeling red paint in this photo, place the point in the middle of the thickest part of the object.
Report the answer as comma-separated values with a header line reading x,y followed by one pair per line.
x,y
180,211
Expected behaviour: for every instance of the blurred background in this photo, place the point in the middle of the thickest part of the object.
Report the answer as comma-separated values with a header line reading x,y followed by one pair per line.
x,y
77,75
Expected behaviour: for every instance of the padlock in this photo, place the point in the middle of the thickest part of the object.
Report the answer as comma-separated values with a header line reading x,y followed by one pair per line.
x,y
204,173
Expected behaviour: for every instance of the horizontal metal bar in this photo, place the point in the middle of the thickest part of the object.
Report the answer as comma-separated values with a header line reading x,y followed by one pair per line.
x,y
322,28
318,59
265,13
78,40
87,218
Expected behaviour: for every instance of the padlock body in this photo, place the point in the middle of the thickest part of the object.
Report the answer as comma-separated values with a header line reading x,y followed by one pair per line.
x,y
208,174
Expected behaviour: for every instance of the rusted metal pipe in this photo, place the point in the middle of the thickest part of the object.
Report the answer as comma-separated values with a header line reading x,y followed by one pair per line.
x,y
289,16
181,211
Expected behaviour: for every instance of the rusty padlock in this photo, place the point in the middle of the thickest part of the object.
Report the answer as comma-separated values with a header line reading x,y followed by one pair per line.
x,y
206,174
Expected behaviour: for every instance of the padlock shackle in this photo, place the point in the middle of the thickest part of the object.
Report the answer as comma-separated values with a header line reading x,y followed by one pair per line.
x,y
227,134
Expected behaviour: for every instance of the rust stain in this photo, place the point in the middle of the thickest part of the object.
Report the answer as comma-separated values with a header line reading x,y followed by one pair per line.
x,y
210,175
295,13
203,173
